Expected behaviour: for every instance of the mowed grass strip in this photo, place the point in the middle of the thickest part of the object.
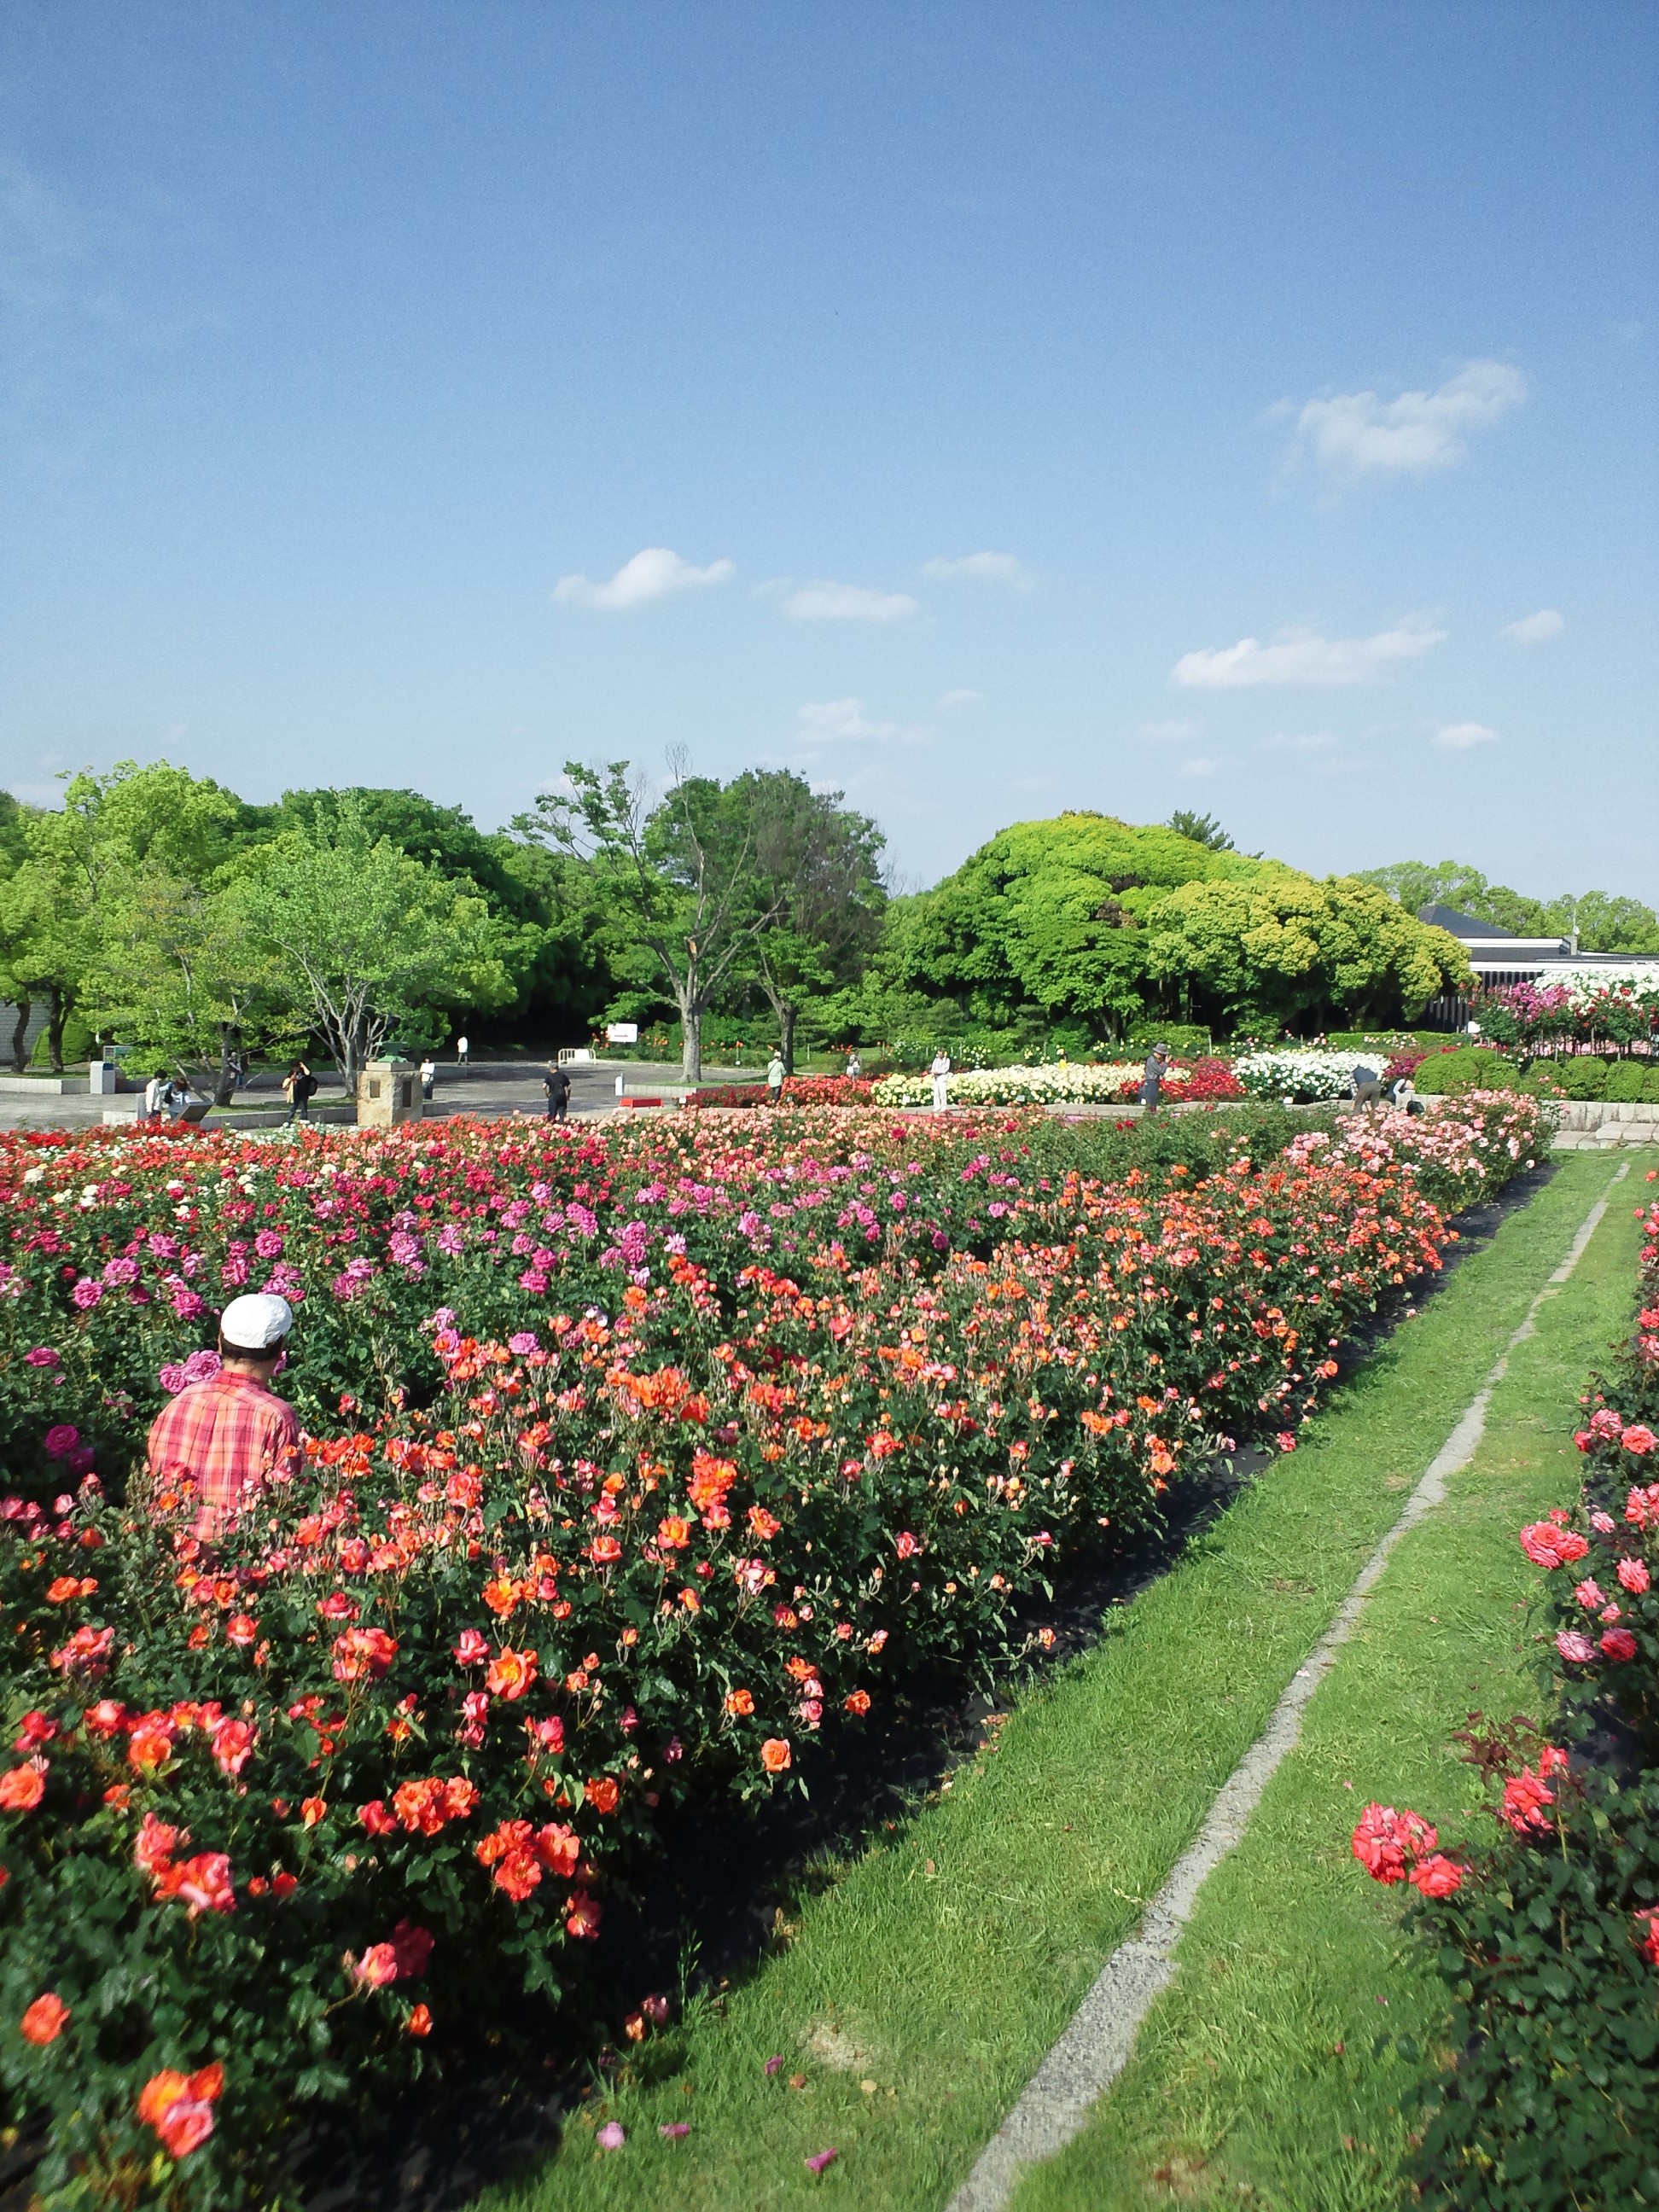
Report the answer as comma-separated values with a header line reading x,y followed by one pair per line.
x,y
1257,2080
928,1979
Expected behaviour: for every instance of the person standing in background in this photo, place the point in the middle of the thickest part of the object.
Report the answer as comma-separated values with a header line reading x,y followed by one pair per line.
x,y
855,1065
428,1075
1151,1076
940,1071
462,1052
154,1092
301,1084
774,1072
557,1084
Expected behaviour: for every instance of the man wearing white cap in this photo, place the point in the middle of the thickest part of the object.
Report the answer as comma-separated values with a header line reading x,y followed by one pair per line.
x,y
228,1434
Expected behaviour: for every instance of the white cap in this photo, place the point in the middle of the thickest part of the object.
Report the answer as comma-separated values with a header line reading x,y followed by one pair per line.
x,y
256,1323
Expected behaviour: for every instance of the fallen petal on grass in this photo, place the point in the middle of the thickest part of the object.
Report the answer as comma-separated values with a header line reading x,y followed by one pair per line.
x,y
611,2136
673,2130
773,2063
820,2159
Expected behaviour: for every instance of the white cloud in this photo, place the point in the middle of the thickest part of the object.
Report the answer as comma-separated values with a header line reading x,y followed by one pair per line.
x,y
1203,766
1308,741
652,574
1169,733
955,699
994,568
836,722
1304,661
847,602
1534,629
1356,433
1458,737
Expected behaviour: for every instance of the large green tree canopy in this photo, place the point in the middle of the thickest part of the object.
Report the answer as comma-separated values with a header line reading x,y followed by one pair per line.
x,y
1088,920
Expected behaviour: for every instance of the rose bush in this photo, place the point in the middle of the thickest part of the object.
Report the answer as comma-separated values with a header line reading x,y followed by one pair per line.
x,y
687,1445
1548,1938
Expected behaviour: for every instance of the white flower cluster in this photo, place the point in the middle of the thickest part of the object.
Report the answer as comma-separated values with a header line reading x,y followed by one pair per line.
x,y
1077,1083
1303,1075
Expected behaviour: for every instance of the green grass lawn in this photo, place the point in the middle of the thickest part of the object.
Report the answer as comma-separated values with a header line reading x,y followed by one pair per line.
x,y
925,1978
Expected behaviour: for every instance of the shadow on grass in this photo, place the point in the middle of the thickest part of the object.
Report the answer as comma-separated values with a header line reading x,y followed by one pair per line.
x,y
720,1892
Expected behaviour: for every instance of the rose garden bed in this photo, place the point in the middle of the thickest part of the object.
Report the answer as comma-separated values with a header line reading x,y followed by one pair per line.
x,y
633,1460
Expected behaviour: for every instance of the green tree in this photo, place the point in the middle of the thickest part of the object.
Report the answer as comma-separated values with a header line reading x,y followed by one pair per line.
x,y
679,878
82,860
177,969
1202,829
819,864
363,940
1277,946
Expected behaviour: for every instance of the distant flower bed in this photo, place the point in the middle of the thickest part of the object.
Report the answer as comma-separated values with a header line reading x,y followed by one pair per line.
x,y
1084,1083
798,1091
1303,1076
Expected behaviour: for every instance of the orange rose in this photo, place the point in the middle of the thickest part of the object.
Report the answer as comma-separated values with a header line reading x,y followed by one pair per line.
x,y
602,1794
740,1704
776,1755
510,1673
43,2021
313,1809
21,1788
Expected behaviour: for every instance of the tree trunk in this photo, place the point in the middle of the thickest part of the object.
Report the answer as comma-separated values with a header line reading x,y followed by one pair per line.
x,y
787,1015
690,1042
56,1015
224,1089
18,1031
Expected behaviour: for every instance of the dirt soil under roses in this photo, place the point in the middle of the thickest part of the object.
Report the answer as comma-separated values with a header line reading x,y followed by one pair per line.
x,y
727,1880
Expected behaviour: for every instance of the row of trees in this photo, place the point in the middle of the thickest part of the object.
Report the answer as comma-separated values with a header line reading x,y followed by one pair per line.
x,y
157,908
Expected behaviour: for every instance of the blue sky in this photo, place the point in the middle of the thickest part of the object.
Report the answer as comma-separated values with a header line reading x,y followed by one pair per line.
x,y
1276,362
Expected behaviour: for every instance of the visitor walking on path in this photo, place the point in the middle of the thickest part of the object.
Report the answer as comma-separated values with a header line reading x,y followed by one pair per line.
x,y
1152,1075
940,1071
463,1052
428,1075
557,1084
774,1072
855,1065
229,1434
301,1084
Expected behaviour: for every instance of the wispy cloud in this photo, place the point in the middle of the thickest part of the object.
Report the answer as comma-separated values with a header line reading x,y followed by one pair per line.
x,y
1458,737
992,567
1205,765
655,574
1534,629
823,602
1302,661
1169,733
952,699
841,721
1356,433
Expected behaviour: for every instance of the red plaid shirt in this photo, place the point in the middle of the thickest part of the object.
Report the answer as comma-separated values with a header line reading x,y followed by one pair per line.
x,y
227,1434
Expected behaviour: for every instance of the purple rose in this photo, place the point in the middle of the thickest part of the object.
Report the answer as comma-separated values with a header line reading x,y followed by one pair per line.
x,y
61,1440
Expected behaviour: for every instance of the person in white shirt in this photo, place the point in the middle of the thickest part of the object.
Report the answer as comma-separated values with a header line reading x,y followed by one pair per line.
x,y
428,1075
461,1051
855,1065
774,1074
940,1071
155,1091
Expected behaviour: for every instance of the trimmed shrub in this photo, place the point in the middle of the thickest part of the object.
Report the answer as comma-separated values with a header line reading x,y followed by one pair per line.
x,y
1471,1068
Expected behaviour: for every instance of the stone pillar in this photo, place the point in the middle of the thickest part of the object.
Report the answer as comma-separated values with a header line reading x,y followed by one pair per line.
x,y
388,1093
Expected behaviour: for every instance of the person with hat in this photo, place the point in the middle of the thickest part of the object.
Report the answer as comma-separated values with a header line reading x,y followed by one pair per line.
x,y
1152,1075
231,1433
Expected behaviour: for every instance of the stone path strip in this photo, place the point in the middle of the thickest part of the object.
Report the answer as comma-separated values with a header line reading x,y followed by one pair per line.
x,y
1100,2038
